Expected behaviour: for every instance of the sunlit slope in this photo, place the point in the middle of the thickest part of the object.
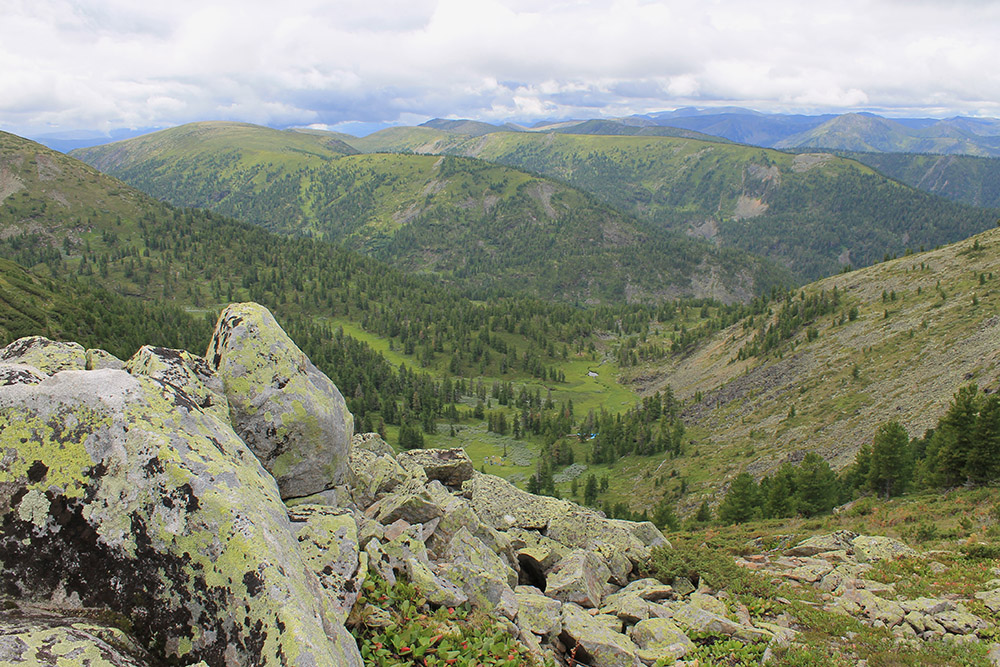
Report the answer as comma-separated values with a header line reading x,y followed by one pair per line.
x,y
476,223
903,337
814,213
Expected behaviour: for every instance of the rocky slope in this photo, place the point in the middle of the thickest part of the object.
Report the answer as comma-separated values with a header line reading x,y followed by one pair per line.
x,y
148,495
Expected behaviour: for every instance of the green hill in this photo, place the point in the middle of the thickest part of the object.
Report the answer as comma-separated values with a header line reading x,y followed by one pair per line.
x,y
478,224
962,178
814,213
870,133
820,369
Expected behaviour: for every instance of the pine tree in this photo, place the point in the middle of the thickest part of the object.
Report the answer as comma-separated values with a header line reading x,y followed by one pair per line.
x,y
887,470
815,486
741,502
956,434
983,463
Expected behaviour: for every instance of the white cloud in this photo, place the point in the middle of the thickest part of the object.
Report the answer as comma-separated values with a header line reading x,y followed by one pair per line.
x,y
101,64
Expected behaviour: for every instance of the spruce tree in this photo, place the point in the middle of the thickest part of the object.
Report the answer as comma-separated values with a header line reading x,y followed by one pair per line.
x,y
887,468
741,502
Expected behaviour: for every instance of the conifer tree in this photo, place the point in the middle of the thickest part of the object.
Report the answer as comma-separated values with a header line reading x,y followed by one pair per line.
x,y
887,469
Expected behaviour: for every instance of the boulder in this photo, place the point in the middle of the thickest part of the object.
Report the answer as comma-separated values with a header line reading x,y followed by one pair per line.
x,y
48,356
291,415
371,442
186,372
98,359
841,540
370,476
328,542
19,374
120,492
695,619
480,573
502,505
537,612
52,640
661,639
584,529
578,578
873,548
593,642
448,466
412,505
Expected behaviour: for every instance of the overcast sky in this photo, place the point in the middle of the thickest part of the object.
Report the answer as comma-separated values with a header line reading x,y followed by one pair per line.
x,y
108,64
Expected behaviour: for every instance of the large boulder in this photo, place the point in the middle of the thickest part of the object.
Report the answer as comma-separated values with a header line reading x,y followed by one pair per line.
x,y
47,639
19,374
448,466
290,414
46,355
502,505
580,577
593,642
328,541
120,492
185,371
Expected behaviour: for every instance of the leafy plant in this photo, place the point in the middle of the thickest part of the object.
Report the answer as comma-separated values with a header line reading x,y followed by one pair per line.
x,y
419,635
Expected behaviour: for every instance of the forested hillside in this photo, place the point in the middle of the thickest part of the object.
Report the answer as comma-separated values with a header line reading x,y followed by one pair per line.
x,y
962,178
480,225
814,213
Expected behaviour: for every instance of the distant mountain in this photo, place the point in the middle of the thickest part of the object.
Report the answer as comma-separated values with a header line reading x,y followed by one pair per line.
x,y
871,133
814,213
741,125
478,224
474,128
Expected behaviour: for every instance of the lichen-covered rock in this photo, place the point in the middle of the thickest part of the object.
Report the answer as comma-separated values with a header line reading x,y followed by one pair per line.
x,y
841,540
458,514
594,642
661,639
118,491
584,529
482,574
186,372
411,505
693,618
98,359
370,476
580,578
537,612
46,355
19,374
291,415
328,542
67,642
448,466
873,548
502,505
371,442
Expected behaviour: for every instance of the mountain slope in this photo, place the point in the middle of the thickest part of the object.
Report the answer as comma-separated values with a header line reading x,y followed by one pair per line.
x,y
813,213
962,178
867,132
903,336
481,225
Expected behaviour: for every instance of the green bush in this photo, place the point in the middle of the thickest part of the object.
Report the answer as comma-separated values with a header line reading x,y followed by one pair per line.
x,y
419,635
711,565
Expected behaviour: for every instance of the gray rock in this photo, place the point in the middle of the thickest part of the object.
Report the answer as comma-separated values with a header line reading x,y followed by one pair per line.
x,y
328,542
578,578
873,548
184,371
291,415
448,466
119,492
537,612
47,639
661,639
98,359
841,540
19,374
502,505
594,642
48,356
371,442
480,573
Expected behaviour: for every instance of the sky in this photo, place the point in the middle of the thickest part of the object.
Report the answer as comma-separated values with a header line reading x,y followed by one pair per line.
x,y
72,66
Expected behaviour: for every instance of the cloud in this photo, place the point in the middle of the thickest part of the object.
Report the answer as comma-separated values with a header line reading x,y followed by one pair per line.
x,y
104,64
